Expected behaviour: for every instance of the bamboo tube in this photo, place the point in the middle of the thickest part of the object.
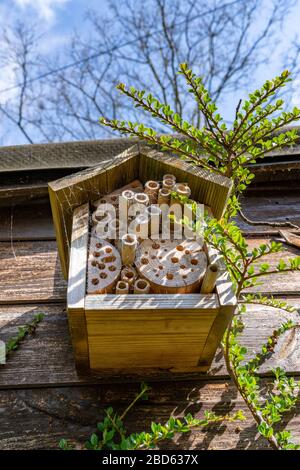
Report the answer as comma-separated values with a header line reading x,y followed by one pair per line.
x,y
154,214
103,214
164,196
169,184
128,275
141,226
141,286
128,195
209,280
141,198
128,248
152,188
169,177
182,189
122,287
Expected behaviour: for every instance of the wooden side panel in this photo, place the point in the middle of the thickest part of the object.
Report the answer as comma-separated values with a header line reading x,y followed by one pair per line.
x,y
228,303
158,331
77,286
71,191
207,187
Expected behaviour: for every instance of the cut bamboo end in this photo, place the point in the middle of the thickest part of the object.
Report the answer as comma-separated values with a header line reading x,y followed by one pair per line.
x,y
141,286
141,198
210,278
102,215
122,287
128,275
182,189
169,184
152,188
128,248
168,176
128,195
164,196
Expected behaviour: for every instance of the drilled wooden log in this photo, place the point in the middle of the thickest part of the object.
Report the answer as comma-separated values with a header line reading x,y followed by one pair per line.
x,y
104,267
171,266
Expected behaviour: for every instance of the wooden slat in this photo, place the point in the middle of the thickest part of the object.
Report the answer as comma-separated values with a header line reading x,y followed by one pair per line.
x,y
277,207
48,415
31,221
30,272
164,331
74,190
47,359
77,285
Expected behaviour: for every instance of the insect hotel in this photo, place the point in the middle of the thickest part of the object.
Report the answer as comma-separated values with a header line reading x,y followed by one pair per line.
x,y
140,301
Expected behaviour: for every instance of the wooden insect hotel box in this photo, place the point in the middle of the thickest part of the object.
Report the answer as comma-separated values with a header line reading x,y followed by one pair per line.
x,y
136,305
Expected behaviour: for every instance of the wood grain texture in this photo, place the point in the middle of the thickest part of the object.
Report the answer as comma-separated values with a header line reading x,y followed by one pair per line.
x,y
277,207
157,331
228,305
48,415
71,191
77,285
47,359
31,221
30,272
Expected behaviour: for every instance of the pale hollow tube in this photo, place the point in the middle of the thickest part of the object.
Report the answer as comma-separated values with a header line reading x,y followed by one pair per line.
x,y
141,198
169,184
128,275
128,195
122,287
141,286
152,188
154,214
210,278
164,196
183,189
103,211
128,248
169,177
141,226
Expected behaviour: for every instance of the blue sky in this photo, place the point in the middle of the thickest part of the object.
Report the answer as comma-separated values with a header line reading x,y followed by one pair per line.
x,y
59,18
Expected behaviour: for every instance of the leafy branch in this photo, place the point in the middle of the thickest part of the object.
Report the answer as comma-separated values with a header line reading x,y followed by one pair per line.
x,y
29,329
111,433
242,265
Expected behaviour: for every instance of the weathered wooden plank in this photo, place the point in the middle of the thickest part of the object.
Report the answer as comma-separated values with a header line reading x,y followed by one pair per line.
x,y
278,207
31,221
281,283
48,415
77,285
30,272
47,359
61,155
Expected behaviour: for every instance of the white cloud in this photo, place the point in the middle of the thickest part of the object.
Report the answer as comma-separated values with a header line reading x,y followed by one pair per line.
x,y
45,9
